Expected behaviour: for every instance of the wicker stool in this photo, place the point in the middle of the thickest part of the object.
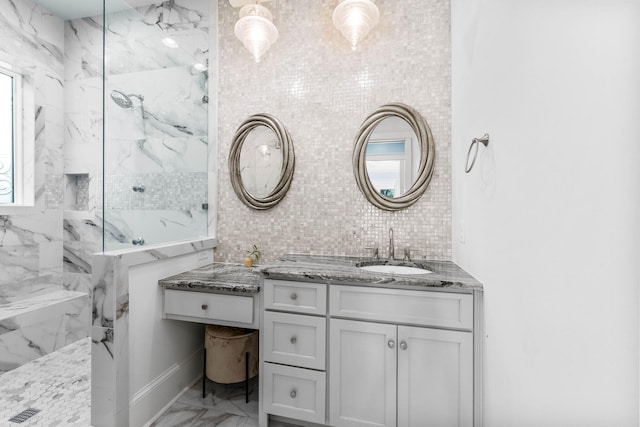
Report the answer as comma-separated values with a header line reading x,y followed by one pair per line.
x,y
231,356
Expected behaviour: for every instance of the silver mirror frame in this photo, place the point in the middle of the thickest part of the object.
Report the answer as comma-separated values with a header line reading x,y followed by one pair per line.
x,y
427,156
288,161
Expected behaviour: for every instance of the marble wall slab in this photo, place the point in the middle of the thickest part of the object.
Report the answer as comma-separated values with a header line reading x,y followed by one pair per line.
x,y
156,123
83,135
31,39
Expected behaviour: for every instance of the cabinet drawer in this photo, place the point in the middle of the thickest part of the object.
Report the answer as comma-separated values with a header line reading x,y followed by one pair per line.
x,y
425,308
294,339
207,306
310,298
294,392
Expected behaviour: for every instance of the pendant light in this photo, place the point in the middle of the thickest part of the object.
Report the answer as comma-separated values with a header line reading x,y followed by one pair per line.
x,y
355,18
255,29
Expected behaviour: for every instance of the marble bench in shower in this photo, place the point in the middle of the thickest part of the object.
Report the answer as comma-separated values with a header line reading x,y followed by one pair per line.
x,y
33,327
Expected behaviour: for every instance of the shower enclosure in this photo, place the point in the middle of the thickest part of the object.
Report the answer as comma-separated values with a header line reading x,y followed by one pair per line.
x,y
155,123
115,105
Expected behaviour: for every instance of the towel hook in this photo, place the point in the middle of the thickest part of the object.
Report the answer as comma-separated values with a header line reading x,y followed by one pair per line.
x,y
484,140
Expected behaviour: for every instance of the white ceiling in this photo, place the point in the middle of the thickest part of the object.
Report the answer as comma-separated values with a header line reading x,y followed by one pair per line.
x,y
73,9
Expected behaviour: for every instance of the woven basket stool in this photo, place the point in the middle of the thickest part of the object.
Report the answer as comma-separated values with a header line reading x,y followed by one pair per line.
x,y
231,355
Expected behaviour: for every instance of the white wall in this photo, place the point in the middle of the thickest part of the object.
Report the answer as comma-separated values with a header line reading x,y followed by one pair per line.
x,y
551,211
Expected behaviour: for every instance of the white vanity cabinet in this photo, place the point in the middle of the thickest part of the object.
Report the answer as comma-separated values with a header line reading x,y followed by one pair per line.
x,y
294,350
352,356
407,371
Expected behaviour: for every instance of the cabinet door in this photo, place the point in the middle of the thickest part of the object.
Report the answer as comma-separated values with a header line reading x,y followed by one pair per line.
x,y
435,378
362,374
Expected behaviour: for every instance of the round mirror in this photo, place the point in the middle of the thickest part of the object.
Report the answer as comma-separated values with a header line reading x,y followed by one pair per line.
x,y
393,157
261,161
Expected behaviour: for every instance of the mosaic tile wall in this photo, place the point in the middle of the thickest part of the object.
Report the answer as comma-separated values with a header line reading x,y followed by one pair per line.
x,y
322,91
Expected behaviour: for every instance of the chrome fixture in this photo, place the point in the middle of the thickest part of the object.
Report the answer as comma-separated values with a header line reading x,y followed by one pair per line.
x,y
123,100
138,242
376,252
138,188
391,245
484,140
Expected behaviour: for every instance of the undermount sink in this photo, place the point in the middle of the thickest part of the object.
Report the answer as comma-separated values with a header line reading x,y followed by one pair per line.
x,y
394,269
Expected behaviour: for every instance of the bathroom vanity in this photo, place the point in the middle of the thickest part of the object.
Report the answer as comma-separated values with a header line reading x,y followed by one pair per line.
x,y
344,346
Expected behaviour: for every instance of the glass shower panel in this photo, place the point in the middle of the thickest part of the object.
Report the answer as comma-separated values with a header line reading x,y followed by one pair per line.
x,y
156,109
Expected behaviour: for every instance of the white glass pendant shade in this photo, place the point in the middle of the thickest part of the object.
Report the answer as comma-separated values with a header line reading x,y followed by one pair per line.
x,y
355,18
255,29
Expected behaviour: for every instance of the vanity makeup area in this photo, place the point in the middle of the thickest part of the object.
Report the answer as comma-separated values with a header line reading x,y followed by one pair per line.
x,y
384,340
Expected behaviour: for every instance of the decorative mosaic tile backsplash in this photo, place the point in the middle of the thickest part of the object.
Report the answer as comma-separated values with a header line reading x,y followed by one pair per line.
x,y
177,190
322,91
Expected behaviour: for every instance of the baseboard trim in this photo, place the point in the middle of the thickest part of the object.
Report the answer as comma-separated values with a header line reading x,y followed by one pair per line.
x,y
152,400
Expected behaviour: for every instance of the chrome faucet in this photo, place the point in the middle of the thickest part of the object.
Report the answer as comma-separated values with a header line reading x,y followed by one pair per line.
x,y
391,245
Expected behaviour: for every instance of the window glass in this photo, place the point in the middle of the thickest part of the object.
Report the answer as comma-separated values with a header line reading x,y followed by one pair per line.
x,y
7,140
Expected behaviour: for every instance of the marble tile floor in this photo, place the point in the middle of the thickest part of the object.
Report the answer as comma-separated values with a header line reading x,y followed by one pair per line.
x,y
57,384
223,406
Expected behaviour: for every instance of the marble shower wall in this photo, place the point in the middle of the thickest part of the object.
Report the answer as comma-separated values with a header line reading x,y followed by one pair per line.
x,y
82,150
156,134
160,142
322,91
31,238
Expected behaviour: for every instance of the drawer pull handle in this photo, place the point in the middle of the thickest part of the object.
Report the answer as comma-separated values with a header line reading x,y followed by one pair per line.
x,y
403,345
205,306
293,296
293,339
391,344
293,393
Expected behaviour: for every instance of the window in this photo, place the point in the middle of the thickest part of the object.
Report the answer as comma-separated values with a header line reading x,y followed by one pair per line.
x,y
7,135
11,133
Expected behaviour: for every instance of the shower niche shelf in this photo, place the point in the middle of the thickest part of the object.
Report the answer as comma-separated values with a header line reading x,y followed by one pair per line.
x,y
76,192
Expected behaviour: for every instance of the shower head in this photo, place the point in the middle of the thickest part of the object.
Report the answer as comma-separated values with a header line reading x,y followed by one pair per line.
x,y
122,100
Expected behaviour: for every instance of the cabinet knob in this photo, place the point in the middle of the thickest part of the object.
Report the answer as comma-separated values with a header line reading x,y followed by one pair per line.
x,y
293,296
403,345
391,344
293,393
205,306
293,339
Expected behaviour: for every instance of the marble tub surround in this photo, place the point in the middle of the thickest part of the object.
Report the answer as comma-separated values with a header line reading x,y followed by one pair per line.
x,y
217,277
344,270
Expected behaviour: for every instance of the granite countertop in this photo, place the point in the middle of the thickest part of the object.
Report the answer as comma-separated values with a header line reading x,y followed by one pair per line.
x,y
446,275
337,270
218,278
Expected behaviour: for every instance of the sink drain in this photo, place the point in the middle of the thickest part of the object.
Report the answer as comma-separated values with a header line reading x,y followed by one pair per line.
x,y
24,415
